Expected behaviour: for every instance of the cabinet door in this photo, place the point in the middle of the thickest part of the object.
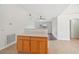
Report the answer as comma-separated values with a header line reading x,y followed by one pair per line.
x,y
43,46
39,45
34,46
26,44
19,44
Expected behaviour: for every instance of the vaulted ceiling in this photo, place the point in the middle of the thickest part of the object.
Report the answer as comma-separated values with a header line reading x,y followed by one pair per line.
x,y
45,10
72,9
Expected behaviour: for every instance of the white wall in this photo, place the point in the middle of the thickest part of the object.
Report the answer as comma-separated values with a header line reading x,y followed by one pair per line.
x,y
15,15
54,26
2,39
64,22
63,28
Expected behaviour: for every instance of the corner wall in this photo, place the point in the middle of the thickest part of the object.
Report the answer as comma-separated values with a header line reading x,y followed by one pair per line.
x,y
13,20
63,28
63,23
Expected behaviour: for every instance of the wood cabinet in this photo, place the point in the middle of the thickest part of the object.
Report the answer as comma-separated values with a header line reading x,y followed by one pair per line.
x,y
19,44
32,44
26,44
23,44
39,45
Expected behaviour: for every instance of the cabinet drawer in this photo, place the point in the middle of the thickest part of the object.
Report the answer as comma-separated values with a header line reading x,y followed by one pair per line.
x,y
23,37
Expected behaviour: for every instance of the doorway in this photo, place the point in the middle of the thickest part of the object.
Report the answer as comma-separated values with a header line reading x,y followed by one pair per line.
x,y
74,29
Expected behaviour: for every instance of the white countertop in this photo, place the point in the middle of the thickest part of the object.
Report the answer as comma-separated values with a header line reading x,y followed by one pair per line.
x,y
40,35
34,32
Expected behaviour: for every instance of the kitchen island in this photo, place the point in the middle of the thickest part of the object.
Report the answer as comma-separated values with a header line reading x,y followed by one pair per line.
x,y
32,43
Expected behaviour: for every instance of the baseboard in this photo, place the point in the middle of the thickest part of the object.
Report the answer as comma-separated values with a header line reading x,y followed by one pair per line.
x,y
75,38
62,39
8,45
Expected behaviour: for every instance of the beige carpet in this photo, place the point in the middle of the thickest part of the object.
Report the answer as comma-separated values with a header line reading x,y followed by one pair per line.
x,y
55,47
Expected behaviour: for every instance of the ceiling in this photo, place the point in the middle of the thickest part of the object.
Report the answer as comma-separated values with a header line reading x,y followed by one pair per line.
x,y
45,10
72,9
